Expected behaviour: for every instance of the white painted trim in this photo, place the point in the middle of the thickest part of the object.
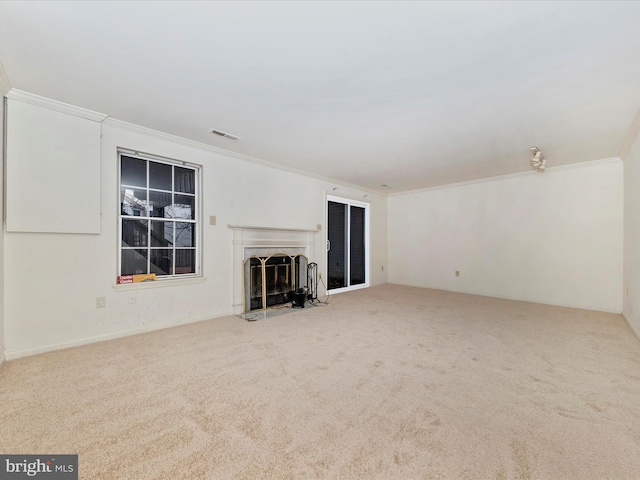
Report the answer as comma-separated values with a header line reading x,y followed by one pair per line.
x,y
169,282
210,148
110,336
560,168
5,83
635,331
44,102
338,291
367,241
634,129
197,195
346,200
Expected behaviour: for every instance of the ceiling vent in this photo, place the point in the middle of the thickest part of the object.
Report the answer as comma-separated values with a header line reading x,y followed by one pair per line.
x,y
224,134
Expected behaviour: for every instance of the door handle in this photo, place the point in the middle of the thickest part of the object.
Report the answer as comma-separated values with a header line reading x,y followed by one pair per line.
x,y
328,245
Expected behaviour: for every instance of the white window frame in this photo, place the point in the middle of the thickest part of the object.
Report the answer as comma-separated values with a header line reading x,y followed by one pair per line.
x,y
197,221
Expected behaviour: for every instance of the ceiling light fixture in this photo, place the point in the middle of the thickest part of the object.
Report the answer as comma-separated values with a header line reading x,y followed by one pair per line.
x,y
538,162
222,134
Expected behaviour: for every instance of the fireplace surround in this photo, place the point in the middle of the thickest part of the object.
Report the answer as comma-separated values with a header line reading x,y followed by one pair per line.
x,y
261,244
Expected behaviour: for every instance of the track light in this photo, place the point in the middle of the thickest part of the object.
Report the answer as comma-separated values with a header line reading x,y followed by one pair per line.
x,y
538,162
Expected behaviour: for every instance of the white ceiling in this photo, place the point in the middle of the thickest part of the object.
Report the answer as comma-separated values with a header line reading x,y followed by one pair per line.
x,y
409,94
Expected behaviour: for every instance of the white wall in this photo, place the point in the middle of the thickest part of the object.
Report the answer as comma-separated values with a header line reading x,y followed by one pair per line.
x,y
2,303
631,278
55,278
553,237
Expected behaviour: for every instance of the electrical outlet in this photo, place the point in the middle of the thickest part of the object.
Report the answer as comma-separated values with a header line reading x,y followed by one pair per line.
x,y
319,227
101,302
457,273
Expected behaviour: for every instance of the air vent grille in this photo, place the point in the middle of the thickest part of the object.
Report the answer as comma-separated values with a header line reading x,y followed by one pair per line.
x,y
224,134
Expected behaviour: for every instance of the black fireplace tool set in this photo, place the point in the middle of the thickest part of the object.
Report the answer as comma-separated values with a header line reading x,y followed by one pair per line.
x,y
299,296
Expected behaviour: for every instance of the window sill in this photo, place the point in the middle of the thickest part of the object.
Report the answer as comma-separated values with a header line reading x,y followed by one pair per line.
x,y
169,282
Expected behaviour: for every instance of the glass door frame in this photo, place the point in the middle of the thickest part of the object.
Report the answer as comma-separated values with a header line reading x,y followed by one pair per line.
x,y
367,244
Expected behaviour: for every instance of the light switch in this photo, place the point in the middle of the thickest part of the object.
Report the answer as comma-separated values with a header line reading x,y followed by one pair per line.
x,y
212,220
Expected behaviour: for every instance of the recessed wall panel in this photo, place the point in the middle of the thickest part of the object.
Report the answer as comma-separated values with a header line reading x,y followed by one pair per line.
x,y
53,171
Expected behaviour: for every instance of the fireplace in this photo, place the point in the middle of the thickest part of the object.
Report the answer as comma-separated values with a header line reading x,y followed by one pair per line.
x,y
269,280
268,263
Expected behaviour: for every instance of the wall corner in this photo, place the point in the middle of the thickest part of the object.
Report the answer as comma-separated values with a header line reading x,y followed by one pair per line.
x,y
629,140
5,83
634,329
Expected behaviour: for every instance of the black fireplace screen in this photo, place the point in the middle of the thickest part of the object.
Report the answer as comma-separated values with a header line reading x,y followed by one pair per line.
x,y
268,280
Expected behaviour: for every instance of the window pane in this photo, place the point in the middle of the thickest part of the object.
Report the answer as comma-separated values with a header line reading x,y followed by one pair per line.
x,y
133,202
185,234
133,171
185,261
337,255
185,180
158,217
133,262
159,176
161,234
356,245
162,262
185,207
159,203
134,233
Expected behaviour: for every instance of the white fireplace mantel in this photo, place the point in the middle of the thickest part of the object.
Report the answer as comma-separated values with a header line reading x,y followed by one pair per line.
x,y
249,240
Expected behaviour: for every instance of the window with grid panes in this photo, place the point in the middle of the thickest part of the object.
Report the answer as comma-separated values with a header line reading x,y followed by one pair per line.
x,y
158,216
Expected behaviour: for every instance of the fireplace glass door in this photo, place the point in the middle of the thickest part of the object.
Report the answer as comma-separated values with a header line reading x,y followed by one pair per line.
x,y
268,280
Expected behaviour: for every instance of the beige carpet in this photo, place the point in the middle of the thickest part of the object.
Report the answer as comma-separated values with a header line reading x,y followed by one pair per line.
x,y
388,382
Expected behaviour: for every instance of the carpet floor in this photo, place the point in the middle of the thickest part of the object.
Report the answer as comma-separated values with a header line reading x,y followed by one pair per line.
x,y
389,382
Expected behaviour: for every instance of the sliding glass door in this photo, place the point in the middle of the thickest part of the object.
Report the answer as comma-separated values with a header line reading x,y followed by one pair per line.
x,y
347,244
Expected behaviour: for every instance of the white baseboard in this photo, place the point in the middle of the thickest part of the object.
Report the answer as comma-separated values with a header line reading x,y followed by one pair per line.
x,y
527,300
110,336
633,328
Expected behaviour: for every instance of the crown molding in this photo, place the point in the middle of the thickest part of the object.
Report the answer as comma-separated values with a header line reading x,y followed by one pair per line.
x,y
26,97
5,83
632,134
33,99
559,168
221,151
44,102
